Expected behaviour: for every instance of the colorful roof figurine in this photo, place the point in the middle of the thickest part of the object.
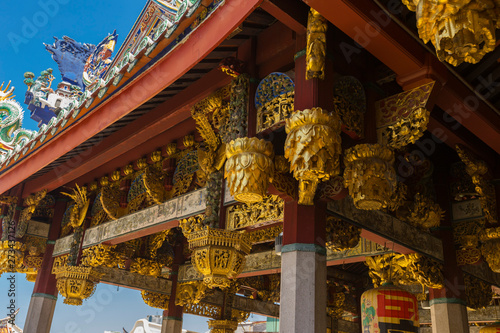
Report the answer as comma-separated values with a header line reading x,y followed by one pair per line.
x,y
71,57
99,61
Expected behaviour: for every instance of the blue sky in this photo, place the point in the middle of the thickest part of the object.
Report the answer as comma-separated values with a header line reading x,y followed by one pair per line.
x,y
26,25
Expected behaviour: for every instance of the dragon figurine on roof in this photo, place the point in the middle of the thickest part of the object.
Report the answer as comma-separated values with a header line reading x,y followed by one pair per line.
x,y
11,119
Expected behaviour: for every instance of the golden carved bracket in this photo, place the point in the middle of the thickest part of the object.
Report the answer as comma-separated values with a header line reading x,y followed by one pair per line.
x,y
403,118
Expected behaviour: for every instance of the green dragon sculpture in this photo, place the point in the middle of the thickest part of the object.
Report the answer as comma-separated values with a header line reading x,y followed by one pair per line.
x,y
11,120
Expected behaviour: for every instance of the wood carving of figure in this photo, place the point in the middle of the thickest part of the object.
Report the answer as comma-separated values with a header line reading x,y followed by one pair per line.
x,y
316,45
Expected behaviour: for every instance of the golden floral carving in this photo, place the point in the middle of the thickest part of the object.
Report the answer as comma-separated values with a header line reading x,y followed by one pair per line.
x,y
425,213
191,292
265,234
218,254
459,30
76,283
102,255
32,203
405,269
249,167
341,235
267,211
153,182
477,170
316,45
110,200
79,209
145,266
155,300
477,292
369,175
491,251
222,326
313,147
12,257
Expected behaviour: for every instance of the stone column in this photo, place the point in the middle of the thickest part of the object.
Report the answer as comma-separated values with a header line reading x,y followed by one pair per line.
x,y
448,305
172,318
303,269
43,300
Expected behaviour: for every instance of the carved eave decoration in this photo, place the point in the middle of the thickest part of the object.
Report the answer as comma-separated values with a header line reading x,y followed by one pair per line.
x,y
258,214
76,283
370,176
459,30
402,119
313,148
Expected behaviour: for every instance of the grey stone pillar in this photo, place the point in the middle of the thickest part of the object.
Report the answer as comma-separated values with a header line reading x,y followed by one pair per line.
x,y
449,315
40,313
303,288
171,325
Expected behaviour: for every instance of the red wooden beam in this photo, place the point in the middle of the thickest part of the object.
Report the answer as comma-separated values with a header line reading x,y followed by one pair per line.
x,y
199,44
293,15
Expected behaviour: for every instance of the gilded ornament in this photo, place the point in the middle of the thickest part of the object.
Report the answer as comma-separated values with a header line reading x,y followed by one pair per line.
x,y
274,100
110,200
349,102
76,283
79,209
171,149
256,214
12,257
425,213
402,119
155,156
145,266
249,168
405,269
312,147
265,234
316,45
478,293
477,170
188,141
203,309
104,181
128,169
222,326
102,255
155,300
236,126
459,30
191,292
32,202
115,175
341,235
370,176
153,180
218,254
491,250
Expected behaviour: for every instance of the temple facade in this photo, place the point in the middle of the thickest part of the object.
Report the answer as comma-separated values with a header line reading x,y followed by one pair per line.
x,y
329,163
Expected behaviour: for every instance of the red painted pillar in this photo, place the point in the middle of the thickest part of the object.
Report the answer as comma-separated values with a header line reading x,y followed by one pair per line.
x,y
172,318
43,300
448,305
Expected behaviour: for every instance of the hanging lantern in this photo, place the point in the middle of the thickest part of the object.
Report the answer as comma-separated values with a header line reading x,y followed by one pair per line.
x,y
493,328
389,309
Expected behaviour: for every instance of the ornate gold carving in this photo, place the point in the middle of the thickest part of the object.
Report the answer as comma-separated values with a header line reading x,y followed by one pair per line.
x,y
341,235
249,167
313,148
477,170
217,254
110,200
155,300
153,182
102,255
59,262
349,102
76,283
282,181
267,211
369,175
32,202
222,326
459,30
146,267
274,100
402,119
491,251
191,292
12,257
478,293
80,207
316,45
405,269
203,309
265,235
425,213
